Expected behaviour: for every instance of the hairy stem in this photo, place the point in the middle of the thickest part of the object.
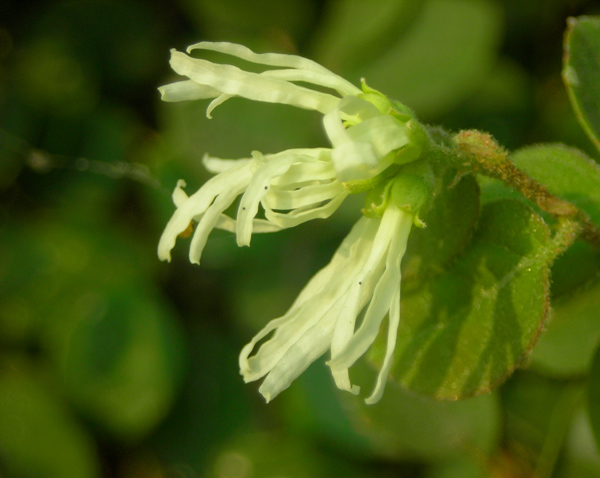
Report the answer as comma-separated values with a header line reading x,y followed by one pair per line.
x,y
473,151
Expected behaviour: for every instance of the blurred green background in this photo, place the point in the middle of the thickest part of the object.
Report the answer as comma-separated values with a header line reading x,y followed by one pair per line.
x,y
114,364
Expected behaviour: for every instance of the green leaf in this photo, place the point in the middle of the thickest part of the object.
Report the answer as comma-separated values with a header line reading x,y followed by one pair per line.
x,y
567,346
450,222
465,331
581,72
38,434
571,175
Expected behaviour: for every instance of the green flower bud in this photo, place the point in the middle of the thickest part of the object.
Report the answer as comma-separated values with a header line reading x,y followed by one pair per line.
x,y
377,199
411,189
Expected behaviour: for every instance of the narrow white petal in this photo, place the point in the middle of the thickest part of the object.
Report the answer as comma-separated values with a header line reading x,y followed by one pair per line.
x,y
308,348
354,161
354,301
230,80
394,322
306,196
310,306
211,217
384,133
300,216
216,102
179,196
327,80
395,228
273,59
197,204
256,190
186,90
259,226
305,173
218,165
397,250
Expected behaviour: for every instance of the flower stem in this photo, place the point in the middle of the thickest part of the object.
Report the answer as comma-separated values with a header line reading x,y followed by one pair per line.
x,y
473,151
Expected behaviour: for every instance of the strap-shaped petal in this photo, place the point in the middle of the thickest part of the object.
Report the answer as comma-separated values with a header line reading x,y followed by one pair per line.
x,y
259,226
306,196
256,190
398,248
179,196
305,349
230,80
211,217
317,297
275,59
218,165
327,80
395,227
198,203
383,133
302,215
186,90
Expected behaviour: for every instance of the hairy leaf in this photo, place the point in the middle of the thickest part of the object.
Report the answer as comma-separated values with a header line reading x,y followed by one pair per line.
x,y
466,330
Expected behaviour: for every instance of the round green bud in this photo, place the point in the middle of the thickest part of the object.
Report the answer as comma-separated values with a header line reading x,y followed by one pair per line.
x,y
377,199
412,189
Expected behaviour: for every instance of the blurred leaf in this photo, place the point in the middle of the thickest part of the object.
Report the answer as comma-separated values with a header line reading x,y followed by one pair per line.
x,y
445,55
38,435
581,458
354,32
52,80
212,404
407,426
261,454
313,407
594,396
450,225
82,296
231,20
463,468
581,72
120,357
566,348
108,39
234,131
465,331
538,414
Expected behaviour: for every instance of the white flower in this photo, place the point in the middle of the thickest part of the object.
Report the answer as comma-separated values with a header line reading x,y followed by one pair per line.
x,y
361,134
363,277
293,187
368,133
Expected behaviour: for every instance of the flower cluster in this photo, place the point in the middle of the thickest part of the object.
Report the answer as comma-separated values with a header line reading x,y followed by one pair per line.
x,y
370,138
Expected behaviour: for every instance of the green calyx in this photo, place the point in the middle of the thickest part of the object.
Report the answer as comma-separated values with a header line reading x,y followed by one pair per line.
x,y
377,199
409,189
420,140
385,105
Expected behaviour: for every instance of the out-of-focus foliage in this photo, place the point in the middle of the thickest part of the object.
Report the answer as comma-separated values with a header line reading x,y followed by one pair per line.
x,y
113,364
